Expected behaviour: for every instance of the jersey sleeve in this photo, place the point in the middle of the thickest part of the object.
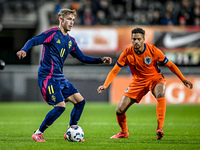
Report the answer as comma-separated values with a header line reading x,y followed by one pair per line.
x,y
160,56
122,59
111,75
175,70
77,53
44,37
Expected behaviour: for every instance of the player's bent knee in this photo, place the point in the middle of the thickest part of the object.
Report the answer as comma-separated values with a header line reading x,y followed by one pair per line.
x,y
80,104
60,109
83,101
159,95
119,112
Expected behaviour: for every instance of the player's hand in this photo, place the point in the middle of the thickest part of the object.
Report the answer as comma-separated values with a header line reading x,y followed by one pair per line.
x,y
107,60
21,54
101,89
188,84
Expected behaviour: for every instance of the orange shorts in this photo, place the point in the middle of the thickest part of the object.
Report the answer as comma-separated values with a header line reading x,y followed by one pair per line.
x,y
138,88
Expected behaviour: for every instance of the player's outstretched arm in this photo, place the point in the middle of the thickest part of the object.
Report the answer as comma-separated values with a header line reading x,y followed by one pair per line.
x,y
177,72
109,78
21,54
107,60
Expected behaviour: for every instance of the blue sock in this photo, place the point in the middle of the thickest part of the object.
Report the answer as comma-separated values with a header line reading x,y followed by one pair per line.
x,y
76,112
51,117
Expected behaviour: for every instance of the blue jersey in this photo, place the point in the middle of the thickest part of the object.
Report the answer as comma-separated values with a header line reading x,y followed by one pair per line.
x,y
56,48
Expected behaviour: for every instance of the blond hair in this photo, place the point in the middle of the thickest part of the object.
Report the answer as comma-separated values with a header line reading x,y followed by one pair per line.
x,y
64,12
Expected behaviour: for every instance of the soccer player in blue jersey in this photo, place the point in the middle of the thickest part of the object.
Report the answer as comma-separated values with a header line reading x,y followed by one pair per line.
x,y
55,89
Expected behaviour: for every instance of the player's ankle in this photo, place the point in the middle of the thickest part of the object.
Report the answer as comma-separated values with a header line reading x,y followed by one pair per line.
x,y
124,132
38,132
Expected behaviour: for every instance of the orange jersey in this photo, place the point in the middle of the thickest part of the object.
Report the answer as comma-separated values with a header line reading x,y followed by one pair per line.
x,y
142,65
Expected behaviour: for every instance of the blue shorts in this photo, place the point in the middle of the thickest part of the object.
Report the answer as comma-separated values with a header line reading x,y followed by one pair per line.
x,y
55,91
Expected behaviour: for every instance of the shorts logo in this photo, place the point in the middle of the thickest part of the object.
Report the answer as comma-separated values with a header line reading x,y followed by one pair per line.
x,y
127,89
147,60
53,98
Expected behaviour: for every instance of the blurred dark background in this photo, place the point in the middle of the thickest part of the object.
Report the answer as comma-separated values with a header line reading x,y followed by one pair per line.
x,y
20,20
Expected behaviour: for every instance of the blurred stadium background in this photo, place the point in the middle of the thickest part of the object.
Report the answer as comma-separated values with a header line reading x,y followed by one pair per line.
x,y
102,28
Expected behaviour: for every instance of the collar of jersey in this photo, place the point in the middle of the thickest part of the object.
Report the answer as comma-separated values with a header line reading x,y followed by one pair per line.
x,y
139,53
62,33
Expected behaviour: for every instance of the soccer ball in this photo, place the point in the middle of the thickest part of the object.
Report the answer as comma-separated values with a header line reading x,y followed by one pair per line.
x,y
74,133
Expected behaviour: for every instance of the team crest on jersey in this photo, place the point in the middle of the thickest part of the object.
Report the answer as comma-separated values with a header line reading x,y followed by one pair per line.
x,y
69,44
147,60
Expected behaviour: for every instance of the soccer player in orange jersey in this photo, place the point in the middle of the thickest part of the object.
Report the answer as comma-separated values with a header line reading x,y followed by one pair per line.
x,y
142,60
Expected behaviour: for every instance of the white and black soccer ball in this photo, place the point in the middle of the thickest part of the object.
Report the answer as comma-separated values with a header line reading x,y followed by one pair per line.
x,y
74,134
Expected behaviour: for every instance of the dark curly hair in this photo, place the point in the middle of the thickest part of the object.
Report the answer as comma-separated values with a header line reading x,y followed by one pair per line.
x,y
138,30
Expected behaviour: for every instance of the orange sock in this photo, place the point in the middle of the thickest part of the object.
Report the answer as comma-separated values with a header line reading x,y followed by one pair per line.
x,y
160,110
121,119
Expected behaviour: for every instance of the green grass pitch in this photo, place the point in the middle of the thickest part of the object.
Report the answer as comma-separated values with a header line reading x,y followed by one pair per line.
x,y
18,121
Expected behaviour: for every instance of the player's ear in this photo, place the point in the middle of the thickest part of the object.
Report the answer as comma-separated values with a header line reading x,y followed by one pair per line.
x,y
61,18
